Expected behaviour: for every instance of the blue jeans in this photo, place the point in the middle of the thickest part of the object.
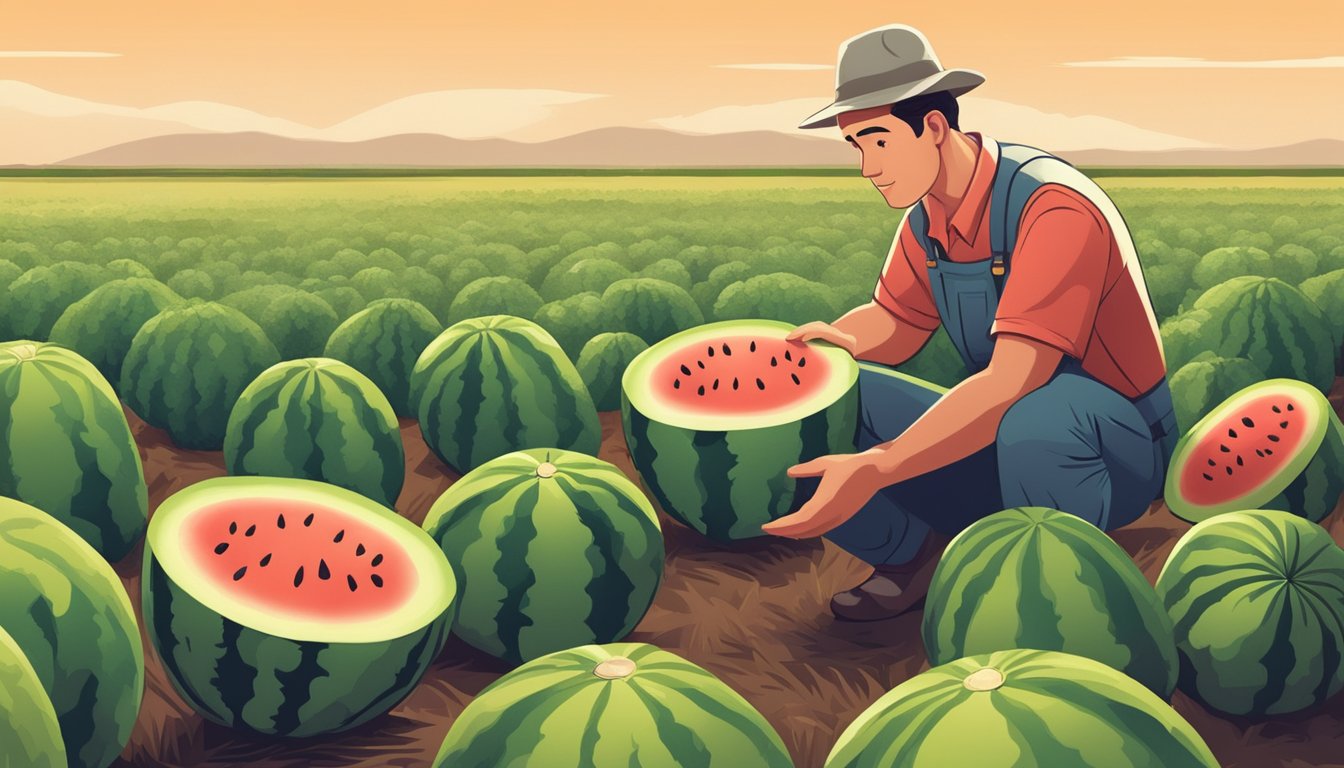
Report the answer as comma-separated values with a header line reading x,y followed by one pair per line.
x,y
1074,445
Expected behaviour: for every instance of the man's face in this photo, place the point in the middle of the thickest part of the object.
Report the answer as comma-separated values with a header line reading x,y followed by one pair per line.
x,y
901,166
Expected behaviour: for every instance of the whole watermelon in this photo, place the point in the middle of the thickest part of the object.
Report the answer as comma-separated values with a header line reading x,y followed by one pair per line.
x,y
493,385
100,326
65,446
30,733
1038,578
1205,382
1327,291
67,610
553,548
603,362
187,366
1257,599
383,341
298,326
318,419
31,304
1020,708
622,704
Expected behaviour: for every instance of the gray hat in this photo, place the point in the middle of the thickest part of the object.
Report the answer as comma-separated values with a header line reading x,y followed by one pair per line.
x,y
884,66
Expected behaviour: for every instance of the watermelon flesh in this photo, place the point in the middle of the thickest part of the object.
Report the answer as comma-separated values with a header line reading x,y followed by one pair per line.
x,y
1253,443
731,376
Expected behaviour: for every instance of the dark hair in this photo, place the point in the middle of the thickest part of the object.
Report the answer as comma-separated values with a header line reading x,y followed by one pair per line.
x,y
913,110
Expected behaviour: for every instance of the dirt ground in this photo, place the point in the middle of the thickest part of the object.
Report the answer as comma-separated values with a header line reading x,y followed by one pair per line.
x,y
755,614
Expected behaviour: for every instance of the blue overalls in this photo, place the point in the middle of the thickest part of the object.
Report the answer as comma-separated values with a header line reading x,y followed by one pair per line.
x,y
1074,444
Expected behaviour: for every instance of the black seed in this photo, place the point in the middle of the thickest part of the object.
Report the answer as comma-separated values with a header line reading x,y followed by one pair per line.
x,y
788,356
1269,451
794,376
1207,476
238,574
773,362
377,580
280,521
700,363
1290,406
298,576
265,561
1240,463
307,521
219,550
802,361
726,350
1283,425
339,536
1229,470
1275,408
734,382
233,527
359,550
716,384
685,371
251,529
351,581
1259,452
1273,438
323,572
1249,424
1224,449
711,351
1231,433
760,384
1212,463
377,560
676,383
753,346
701,390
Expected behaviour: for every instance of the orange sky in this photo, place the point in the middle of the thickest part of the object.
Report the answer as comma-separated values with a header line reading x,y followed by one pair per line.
x,y
319,63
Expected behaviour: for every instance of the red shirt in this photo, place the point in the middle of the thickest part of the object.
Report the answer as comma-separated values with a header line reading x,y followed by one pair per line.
x,y
1068,286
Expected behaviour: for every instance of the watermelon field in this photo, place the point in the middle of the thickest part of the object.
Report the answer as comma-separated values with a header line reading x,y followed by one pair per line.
x,y
392,335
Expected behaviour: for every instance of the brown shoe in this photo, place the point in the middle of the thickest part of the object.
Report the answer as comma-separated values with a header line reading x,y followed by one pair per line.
x,y
892,589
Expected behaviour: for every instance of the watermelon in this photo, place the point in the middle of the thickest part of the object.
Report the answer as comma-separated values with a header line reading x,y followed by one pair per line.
x,y
493,385
1020,708
100,326
319,419
187,366
291,607
1038,578
1277,444
623,704
383,341
1206,381
553,548
66,609
30,734
1327,291
603,361
1257,599
299,326
65,446
714,417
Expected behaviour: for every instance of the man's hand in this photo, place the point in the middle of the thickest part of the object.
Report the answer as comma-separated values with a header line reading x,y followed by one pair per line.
x,y
847,483
819,331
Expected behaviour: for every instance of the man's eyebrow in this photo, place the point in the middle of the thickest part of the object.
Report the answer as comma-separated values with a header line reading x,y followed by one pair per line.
x,y
866,131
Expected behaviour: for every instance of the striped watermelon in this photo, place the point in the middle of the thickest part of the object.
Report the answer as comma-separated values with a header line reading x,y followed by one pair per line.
x,y
493,385
319,419
383,341
30,734
1277,444
65,446
1257,599
100,326
1203,383
714,417
66,609
1272,324
553,548
603,361
1038,578
291,607
624,704
187,366
1020,708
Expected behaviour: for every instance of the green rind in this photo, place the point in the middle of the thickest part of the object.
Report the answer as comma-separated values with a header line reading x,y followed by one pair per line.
x,y
493,385
668,713
383,341
187,366
1052,709
548,563
101,326
65,446
66,608
602,364
1257,601
1038,578
1309,484
30,734
318,419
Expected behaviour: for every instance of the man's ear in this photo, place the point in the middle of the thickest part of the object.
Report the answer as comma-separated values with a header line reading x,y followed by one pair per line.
x,y
936,125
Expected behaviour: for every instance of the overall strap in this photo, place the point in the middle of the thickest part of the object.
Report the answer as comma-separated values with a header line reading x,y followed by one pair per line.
x,y
1015,181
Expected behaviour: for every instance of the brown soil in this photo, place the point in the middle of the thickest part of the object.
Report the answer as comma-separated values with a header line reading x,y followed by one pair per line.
x,y
755,614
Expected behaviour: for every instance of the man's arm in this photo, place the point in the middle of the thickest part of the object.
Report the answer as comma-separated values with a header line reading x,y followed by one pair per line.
x,y
868,332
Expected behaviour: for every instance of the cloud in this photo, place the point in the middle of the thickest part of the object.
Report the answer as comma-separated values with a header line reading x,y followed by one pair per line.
x,y
463,114
57,55
781,116
777,67
1185,62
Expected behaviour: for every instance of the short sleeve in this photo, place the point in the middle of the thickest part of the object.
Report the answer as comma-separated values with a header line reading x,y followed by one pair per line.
x,y
1058,271
900,289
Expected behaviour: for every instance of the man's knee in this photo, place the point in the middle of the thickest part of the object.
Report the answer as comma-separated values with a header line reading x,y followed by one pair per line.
x,y
1051,418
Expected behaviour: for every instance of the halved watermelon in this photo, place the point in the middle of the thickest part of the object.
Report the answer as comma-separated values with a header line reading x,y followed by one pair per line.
x,y
292,607
714,416
1277,444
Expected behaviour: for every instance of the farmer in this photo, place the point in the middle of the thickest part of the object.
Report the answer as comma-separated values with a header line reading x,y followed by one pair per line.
x,y
1031,270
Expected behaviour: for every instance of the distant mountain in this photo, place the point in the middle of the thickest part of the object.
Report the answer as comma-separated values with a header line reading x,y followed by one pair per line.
x,y
606,147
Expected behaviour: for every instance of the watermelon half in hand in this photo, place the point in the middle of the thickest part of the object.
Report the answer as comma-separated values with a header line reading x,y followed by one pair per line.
x,y
292,607
1277,444
714,417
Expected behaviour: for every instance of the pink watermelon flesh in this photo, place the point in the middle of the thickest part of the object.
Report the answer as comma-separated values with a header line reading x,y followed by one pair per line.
x,y
300,558
1244,450
740,374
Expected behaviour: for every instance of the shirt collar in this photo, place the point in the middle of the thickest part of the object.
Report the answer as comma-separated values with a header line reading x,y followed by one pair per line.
x,y
970,212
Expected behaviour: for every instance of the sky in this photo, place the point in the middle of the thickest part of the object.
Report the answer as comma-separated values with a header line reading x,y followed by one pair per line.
x,y
1154,73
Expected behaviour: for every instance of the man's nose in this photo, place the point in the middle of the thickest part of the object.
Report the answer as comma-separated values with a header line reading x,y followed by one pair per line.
x,y
870,169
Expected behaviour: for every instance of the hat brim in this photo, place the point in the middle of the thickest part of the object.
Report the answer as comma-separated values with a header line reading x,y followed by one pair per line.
x,y
954,81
